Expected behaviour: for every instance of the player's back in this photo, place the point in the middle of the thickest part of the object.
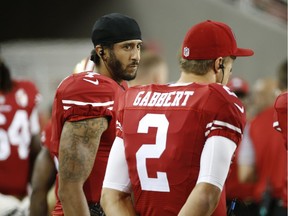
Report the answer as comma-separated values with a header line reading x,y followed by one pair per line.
x,y
18,122
165,138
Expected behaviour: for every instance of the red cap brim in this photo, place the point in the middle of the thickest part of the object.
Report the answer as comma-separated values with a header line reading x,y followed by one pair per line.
x,y
244,52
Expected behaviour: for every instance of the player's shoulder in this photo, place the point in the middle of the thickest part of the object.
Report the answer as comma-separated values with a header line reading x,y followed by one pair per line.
x,y
25,88
26,84
222,92
281,100
88,80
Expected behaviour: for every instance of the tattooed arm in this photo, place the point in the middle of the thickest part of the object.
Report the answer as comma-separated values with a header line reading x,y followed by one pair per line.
x,y
78,147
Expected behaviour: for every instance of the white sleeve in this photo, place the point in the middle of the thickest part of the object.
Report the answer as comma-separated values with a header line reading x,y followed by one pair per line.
x,y
117,176
215,160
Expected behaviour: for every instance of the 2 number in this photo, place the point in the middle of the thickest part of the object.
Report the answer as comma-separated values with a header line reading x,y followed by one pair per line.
x,y
146,151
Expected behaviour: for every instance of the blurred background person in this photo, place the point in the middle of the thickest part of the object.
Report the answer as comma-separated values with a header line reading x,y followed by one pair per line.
x,y
19,140
280,105
43,198
236,192
262,156
85,65
152,69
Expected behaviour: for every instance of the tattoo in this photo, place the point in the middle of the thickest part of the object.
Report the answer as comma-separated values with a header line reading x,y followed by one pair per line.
x,y
78,147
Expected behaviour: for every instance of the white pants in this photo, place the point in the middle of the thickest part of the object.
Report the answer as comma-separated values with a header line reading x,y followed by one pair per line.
x,y
11,206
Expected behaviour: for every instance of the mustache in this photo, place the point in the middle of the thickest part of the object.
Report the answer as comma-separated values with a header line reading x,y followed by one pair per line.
x,y
135,63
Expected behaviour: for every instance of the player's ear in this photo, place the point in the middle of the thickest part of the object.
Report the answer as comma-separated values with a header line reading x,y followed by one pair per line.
x,y
99,50
218,64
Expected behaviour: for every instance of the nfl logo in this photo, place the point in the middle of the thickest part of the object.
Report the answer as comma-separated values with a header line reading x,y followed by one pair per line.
x,y
186,51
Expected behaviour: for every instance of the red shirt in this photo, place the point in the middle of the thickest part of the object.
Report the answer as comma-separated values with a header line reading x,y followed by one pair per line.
x,y
280,116
164,128
17,126
235,189
270,156
82,96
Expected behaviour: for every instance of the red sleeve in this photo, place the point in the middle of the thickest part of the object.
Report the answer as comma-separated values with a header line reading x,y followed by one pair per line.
x,y
77,99
280,115
229,114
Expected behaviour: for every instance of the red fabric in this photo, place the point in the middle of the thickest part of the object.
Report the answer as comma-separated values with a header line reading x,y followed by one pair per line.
x,y
15,136
280,115
69,105
271,157
169,136
235,189
209,40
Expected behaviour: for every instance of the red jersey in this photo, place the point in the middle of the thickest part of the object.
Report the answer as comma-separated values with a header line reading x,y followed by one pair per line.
x,y
270,155
165,137
234,188
280,116
82,96
18,123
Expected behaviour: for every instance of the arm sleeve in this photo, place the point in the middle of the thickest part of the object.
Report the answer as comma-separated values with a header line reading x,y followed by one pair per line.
x,y
215,160
117,176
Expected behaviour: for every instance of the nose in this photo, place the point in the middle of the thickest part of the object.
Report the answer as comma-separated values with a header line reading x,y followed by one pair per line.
x,y
135,54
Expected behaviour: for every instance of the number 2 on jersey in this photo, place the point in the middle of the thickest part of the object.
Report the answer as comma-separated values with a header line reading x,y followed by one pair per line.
x,y
146,151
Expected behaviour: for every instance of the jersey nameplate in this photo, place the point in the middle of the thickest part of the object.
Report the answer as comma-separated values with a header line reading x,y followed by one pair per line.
x,y
166,99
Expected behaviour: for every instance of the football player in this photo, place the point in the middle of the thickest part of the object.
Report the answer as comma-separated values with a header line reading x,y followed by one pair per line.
x,y
19,139
83,116
175,142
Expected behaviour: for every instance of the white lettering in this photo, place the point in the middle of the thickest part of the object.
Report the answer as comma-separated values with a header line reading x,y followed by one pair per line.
x,y
179,95
161,99
187,94
138,98
154,99
165,99
145,100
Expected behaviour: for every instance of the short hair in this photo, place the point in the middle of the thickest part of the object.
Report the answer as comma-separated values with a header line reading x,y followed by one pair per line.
x,y
198,67
282,76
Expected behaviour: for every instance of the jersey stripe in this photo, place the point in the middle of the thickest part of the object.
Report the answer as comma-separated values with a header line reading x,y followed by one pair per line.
x,y
222,124
81,103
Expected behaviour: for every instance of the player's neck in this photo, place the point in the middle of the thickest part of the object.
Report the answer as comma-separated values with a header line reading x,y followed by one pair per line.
x,y
191,77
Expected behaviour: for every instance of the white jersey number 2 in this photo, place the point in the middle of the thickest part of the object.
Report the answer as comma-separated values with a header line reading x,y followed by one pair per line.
x,y
18,134
146,151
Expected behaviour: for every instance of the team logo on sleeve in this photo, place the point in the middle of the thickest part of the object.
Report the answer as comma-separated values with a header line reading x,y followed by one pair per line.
x,y
241,109
93,80
21,98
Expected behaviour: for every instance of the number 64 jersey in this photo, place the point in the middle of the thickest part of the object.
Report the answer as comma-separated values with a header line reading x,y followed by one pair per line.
x,y
18,123
164,129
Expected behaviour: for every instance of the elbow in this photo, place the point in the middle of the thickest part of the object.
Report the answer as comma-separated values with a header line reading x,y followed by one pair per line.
x,y
65,192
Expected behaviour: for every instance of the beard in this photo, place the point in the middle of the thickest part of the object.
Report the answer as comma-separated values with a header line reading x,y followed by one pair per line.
x,y
117,70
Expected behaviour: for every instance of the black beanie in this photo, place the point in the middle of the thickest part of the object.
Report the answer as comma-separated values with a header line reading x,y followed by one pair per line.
x,y
114,28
